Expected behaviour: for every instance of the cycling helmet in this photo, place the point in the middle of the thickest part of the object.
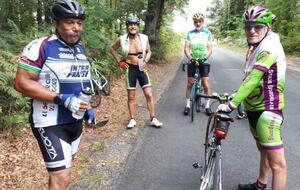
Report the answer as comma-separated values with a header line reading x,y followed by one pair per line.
x,y
63,9
198,16
258,14
132,20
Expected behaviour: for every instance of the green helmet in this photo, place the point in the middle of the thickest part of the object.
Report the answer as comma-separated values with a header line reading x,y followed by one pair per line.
x,y
259,14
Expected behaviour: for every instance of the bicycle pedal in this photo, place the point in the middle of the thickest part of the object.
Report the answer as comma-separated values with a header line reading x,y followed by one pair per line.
x,y
196,165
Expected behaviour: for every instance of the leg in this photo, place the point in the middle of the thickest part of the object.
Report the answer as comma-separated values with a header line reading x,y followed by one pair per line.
x,y
150,105
264,167
278,166
59,180
62,143
150,102
187,95
206,86
131,103
204,72
268,130
190,77
131,78
188,87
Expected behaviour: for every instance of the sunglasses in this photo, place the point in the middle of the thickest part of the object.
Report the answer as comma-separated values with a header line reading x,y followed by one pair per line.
x,y
257,27
132,23
198,21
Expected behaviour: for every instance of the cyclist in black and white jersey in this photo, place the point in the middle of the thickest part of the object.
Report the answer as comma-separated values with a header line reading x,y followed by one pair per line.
x,y
53,71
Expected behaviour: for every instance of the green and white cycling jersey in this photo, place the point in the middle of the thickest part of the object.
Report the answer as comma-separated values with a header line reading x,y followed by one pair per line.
x,y
263,87
198,41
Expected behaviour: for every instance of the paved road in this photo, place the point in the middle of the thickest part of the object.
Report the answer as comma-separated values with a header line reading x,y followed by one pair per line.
x,y
163,158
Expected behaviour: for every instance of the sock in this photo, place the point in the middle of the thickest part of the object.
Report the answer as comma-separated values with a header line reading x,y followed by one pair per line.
x,y
261,186
188,102
207,103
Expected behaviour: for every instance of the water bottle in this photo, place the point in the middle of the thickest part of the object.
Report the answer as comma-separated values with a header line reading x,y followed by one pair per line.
x,y
85,95
141,62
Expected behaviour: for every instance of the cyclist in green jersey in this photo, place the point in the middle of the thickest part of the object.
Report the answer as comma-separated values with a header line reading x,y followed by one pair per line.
x,y
262,93
198,48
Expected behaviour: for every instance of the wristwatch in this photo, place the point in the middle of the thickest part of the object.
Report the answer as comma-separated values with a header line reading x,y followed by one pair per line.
x,y
57,100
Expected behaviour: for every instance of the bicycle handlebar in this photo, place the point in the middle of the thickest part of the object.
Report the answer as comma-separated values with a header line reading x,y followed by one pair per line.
x,y
189,62
222,98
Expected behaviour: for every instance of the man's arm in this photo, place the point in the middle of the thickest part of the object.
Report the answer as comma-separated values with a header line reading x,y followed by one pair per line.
x,y
26,83
187,50
148,52
209,50
113,49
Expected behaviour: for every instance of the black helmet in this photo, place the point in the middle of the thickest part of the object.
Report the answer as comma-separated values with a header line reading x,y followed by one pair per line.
x,y
132,20
63,9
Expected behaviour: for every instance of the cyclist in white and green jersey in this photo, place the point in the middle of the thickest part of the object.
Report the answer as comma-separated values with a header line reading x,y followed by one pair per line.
x,y
262,93
198,48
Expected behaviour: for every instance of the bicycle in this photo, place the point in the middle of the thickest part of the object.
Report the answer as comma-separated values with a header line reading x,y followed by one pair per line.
x,y
100,87
216,131
196,89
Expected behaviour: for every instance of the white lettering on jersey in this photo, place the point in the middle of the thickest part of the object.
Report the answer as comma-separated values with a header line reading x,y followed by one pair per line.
x,y
66,56
65,49
48,144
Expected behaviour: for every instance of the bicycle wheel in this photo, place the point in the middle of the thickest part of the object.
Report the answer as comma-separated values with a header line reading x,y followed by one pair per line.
x,y
192,110
96,100
192,97
217,185
199,99
106,89
208,177
208,141
201,91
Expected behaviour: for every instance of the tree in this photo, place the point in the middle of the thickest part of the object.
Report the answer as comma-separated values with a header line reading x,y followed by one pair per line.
x,y
153,20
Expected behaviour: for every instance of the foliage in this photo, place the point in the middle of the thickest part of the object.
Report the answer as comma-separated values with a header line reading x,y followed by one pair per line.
x,y
13,105
228,15
170,41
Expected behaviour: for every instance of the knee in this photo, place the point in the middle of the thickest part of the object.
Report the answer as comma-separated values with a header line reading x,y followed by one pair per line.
x,y
189,83
60,179
278,166
148,96
131,97
206,84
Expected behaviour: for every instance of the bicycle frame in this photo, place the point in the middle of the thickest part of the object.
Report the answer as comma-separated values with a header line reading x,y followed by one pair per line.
x,y
196,89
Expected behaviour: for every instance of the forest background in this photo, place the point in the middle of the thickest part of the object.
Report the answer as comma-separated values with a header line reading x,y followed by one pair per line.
x,y
24,20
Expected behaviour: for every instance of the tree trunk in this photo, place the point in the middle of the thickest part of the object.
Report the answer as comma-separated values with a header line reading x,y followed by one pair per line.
x,y
153,21
4,13
39,15
47,10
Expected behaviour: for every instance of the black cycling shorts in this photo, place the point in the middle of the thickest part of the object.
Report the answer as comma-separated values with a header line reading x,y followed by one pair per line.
x,y
58,144
203,69
133,74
